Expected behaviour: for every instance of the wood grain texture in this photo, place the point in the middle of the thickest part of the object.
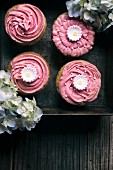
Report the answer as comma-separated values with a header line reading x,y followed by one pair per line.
x,y
49,97
111,143
6,152
54,145
79,111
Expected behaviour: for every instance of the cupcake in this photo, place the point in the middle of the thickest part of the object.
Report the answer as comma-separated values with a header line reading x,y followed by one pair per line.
x,y
78,82
72,36
25,23
29,72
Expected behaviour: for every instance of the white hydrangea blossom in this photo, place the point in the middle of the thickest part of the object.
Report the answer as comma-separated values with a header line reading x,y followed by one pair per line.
x,y
14,111
98,12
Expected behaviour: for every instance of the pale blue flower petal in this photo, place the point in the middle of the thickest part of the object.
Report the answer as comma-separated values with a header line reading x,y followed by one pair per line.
x,y
29,124
38,114
9,121
2,115
110,16
8,75
2,74
19,110
108,26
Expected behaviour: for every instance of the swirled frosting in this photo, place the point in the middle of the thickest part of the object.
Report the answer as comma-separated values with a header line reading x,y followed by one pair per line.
x,y
65,82
30,60
24,23
66,44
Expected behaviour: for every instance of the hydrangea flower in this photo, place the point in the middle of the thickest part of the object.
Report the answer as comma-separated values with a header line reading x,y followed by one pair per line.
x,y
14,111
98,12
74,8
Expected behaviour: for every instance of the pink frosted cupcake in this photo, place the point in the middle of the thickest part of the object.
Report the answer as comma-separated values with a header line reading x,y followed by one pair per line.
x,y
78,82
29,71
25,23
72,36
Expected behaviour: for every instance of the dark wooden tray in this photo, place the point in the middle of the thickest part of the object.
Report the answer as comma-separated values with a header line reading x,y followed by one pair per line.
x,y
101,55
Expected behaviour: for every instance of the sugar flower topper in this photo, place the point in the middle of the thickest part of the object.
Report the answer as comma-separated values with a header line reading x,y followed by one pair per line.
x,y
29,74
98,12
74,33
80,82
16,113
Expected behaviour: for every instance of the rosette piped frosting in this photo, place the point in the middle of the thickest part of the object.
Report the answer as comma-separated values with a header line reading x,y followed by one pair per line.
x,y
30,72
72,36
79,82
25,23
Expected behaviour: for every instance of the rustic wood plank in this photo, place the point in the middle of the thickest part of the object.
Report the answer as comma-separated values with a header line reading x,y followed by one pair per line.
x,y
94,111
111,143
104,143
6,152
64,144
26,151
98,146
83,151
56,60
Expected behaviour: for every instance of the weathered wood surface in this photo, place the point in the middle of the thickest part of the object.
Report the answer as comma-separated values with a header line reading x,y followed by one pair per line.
x,y
60,143
49,97
111,144
80,111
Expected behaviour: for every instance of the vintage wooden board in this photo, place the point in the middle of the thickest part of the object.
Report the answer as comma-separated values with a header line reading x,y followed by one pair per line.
x,y
49,99
61,143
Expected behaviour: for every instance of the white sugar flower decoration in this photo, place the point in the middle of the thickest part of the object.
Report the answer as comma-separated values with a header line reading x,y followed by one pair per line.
x,y
80,82
29,74
74,33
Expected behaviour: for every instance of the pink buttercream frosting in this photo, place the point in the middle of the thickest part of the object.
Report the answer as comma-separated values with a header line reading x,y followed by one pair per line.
x,y
64,44
67,89
24,23
31,60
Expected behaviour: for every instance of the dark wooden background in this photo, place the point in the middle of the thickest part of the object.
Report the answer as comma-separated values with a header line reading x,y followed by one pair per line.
x,y
67,137
60,143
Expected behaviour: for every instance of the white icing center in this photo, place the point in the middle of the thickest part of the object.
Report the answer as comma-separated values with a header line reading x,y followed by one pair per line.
x,y
29,74
80,82
74,33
